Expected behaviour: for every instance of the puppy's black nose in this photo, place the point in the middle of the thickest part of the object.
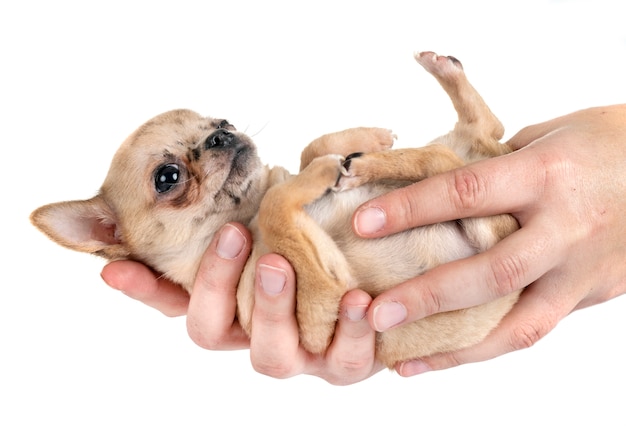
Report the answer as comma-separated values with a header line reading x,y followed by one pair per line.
x,y
219,139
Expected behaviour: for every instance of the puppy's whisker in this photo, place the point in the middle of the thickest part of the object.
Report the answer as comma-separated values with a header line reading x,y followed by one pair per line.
x,y
162,276
260,130
182,182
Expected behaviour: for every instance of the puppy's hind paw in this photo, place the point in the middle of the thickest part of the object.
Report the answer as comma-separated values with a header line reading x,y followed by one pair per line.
x,y
440,66
350,176
322,174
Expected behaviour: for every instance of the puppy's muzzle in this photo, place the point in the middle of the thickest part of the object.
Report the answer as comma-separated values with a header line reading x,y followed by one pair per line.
x,y
221,138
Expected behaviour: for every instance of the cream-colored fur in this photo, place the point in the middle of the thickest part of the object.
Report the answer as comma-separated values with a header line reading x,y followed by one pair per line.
x,y
180,176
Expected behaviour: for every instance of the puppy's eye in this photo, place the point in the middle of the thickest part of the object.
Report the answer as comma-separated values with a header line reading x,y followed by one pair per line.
x,y
224,124
166,177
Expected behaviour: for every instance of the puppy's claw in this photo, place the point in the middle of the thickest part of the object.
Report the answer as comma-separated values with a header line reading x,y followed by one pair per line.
x,y
348,161
350,176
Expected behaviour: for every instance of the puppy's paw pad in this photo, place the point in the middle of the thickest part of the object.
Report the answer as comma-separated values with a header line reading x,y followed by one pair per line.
x,y
440,66
384,139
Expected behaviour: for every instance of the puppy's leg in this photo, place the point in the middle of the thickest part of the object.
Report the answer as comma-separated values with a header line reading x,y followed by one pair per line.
x,y
359,139
475,136
410,164
478,130
322,272
415,164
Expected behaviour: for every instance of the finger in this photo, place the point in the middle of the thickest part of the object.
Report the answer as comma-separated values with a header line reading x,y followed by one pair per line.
x,y
212,308
530,134
480,189
274,341
539,309
351,356
510,265
141,283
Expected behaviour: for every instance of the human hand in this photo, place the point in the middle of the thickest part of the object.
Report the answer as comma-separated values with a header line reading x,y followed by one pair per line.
x,y
565,186
274,344
211,308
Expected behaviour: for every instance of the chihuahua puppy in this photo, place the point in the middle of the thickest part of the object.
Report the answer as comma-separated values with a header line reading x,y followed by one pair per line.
x,y
179,177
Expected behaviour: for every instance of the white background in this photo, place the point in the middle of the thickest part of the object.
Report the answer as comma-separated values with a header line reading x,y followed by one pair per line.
x,y
77,77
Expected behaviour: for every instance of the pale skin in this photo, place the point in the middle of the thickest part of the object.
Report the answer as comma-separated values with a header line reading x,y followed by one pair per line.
x,y
274,346
565,186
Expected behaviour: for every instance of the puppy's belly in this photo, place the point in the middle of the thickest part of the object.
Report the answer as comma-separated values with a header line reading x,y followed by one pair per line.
x,y
381,263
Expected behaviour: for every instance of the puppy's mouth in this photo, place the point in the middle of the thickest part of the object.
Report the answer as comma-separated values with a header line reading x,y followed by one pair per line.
x,y
238,164
240,177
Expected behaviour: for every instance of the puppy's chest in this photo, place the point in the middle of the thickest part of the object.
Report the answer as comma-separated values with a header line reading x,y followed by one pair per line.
x,y
333,211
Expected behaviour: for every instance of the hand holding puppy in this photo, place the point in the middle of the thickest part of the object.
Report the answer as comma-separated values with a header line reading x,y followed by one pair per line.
x,y
274,344
565,185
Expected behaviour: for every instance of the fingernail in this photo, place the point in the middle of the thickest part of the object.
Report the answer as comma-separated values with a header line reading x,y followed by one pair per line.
x,y
388,314
272,279
230,243
370,220
413,367
356,312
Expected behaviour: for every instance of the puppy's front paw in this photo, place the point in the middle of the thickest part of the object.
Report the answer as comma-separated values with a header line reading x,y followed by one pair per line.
x,y
323,172
377,139
362,139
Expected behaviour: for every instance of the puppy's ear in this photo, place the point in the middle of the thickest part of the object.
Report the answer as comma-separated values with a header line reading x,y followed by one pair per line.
x,y
88,226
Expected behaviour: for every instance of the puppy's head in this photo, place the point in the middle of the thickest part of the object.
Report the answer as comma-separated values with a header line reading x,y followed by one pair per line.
x,y
171,185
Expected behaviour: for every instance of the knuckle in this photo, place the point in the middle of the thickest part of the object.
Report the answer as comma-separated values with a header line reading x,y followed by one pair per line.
x,y
451,359
353,371
271,319
468,189
210,341
430,300
271,367
526,334
207,282
352,367
439,361
347,372
508,274
409,207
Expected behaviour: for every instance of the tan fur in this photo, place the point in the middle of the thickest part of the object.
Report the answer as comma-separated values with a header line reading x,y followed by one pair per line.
x,y
306,217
